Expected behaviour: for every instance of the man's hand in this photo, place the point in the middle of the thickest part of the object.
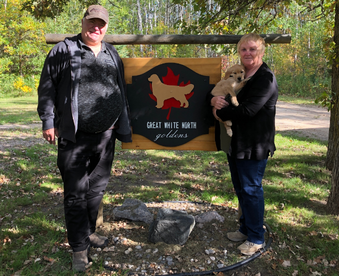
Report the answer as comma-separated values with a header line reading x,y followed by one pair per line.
x,y
219,102
49,135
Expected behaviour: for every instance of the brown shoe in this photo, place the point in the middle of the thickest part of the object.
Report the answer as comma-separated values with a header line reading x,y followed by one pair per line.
x,y
97,240
236,236
80,260
249,248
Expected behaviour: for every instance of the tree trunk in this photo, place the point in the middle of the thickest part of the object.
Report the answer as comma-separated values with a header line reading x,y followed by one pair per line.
x,y
332,161
333,199
333,142
140,24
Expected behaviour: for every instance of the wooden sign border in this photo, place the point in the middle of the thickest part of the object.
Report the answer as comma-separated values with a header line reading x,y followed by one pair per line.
x,y
204,66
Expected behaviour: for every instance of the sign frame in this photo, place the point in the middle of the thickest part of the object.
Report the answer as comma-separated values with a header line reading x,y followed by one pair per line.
x,y
210,67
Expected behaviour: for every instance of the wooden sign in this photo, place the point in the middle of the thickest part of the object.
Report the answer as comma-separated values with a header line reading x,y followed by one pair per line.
x,y
167,99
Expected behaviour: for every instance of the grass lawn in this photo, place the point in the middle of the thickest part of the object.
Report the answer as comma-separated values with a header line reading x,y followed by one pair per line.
x,y
20,110
32,231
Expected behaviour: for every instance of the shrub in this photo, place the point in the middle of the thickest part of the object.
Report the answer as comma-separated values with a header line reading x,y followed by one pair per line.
x,y
16,86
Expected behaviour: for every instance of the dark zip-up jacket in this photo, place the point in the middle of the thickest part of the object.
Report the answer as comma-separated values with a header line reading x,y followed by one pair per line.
x,y
59,87
253,121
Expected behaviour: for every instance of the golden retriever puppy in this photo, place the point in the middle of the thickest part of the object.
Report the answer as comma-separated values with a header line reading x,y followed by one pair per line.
x,y
163,91
231,84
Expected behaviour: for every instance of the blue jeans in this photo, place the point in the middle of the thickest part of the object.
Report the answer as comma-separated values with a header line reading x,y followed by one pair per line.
x,y
246,177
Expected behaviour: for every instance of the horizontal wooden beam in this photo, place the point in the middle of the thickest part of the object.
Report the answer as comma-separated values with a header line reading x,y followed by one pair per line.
x,y
175,39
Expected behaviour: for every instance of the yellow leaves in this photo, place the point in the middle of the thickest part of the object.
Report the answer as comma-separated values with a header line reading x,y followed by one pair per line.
x,y
20,85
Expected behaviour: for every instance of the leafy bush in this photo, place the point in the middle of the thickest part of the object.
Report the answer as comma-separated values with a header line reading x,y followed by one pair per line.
x,y
14,86
303,86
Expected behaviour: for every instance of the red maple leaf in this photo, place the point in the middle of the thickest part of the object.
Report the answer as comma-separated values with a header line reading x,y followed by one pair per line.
x,y
171,79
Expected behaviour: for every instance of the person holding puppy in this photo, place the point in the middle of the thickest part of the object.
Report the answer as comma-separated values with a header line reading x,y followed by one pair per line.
x,y
253,125
82,101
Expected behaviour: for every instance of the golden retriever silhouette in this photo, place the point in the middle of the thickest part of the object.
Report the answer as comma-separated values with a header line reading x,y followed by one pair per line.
x,y
231,84
163,92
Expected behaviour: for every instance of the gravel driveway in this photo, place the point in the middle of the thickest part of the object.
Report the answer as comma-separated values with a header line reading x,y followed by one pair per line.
x,y
304,120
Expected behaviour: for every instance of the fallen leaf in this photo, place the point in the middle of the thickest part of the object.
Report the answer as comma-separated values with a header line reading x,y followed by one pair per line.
x,y
333,237
311,262
51,260
319,259
27,262
286,263
37,260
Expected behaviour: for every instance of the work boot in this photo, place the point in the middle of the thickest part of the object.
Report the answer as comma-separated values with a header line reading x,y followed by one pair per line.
x,y
249,248
80,260
97,240
236,236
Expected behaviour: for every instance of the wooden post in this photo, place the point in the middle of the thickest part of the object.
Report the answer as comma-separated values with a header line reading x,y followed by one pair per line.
x,y
174,39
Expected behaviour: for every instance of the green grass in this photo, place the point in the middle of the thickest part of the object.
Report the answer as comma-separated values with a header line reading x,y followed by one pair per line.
x,y
294,100
20,110
296,185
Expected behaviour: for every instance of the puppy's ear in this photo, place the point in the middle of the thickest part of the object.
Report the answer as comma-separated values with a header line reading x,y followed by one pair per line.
x,y
227,74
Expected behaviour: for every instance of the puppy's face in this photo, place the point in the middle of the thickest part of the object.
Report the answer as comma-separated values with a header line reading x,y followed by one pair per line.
x,y
237,72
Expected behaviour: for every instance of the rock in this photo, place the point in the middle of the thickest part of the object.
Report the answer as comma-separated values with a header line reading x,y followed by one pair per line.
x,y
133,209
171,227
109,249
208,217
209,251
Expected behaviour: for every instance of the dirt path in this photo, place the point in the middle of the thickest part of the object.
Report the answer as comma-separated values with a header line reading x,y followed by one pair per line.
x,y
306,121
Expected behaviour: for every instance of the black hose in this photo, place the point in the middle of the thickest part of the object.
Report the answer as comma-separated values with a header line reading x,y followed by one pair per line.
x,y
224,269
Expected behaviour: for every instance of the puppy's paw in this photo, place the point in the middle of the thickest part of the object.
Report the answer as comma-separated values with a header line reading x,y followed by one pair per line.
x,y
229,132
234,101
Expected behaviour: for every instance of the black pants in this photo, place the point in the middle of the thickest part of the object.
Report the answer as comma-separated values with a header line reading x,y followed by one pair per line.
x,y
85,167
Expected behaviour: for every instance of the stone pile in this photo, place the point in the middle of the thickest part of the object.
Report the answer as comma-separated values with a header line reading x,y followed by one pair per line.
x,y
170,226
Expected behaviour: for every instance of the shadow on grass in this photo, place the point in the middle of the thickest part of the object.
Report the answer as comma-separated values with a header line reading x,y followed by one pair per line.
x,y
298,181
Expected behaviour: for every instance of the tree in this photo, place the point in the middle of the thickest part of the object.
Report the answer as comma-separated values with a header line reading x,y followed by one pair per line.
x,y
21,46
42,9
333,145
301,67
